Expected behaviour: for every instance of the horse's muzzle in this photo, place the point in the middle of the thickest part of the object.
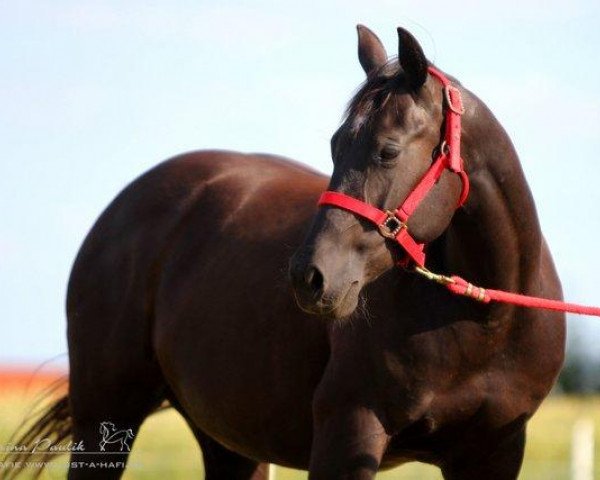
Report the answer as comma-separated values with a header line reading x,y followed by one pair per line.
x,y
316,295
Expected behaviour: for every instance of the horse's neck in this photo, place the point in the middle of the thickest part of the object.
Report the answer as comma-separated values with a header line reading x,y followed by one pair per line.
x,y
495,239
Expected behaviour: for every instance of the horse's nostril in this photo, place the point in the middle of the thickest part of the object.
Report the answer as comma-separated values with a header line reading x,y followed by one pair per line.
x,y
314,279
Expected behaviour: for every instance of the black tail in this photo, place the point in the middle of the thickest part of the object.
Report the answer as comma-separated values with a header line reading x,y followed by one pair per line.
x,y
52,426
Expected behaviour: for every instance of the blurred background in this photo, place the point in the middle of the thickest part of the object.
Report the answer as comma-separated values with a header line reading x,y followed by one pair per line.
x,y
94,93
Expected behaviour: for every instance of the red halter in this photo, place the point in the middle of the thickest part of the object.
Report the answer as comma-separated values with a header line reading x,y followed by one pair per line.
x,y
393,224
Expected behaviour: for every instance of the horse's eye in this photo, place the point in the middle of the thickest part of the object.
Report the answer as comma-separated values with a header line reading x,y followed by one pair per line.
x,y
389,152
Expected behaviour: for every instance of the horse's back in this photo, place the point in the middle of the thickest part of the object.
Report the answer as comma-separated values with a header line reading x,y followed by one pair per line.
x,y
184,277
138,227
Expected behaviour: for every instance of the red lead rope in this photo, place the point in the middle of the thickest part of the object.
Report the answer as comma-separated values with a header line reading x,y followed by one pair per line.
x,y
393,224
459,286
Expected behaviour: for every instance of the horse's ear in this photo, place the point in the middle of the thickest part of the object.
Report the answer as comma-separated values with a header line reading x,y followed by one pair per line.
x,y
371,52
412,59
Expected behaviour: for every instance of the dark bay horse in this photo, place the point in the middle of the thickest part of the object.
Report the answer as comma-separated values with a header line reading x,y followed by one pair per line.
x,y
181,292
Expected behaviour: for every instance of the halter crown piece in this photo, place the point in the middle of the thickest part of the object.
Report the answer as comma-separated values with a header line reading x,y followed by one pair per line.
x,y
393,224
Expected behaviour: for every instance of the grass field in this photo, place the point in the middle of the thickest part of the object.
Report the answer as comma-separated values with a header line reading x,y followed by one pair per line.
x,y
165,447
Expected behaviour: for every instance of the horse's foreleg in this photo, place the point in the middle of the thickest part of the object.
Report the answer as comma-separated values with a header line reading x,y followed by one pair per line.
x,y
348,443
500,459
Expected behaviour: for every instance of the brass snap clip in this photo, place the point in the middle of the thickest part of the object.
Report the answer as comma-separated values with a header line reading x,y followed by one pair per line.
x,y
434,277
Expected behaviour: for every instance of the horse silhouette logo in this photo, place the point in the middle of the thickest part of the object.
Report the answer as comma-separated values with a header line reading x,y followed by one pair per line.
x,y
110,434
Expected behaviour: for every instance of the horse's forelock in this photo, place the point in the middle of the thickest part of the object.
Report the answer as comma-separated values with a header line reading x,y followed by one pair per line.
x,y
372,95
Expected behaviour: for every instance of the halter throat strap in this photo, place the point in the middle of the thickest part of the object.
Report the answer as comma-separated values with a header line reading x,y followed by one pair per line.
x,y
393,224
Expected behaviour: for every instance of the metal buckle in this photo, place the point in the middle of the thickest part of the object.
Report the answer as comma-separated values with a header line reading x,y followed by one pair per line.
x,y
442,149
458,109
391,226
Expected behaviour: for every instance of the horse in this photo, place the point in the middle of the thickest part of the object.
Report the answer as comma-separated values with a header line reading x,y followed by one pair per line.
x,y
286,333
110,434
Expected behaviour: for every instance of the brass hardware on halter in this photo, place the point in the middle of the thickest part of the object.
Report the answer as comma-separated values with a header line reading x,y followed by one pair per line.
x,y
444,148
471,291
391,226
457,108
434,277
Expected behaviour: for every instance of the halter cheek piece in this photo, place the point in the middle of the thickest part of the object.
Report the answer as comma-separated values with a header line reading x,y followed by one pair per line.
x,y
393,224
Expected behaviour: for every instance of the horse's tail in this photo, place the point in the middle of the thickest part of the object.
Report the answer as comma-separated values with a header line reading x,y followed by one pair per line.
x,y
51,424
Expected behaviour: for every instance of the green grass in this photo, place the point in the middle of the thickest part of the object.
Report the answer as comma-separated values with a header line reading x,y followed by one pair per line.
x,y
165,448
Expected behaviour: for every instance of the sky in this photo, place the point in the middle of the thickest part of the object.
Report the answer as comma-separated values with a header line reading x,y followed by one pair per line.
x,y
94,93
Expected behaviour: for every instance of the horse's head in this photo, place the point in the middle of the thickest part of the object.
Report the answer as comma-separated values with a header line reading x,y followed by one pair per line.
x,y
391,133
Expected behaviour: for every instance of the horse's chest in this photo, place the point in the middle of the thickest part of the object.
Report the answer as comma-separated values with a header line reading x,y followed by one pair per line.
x,y
423,418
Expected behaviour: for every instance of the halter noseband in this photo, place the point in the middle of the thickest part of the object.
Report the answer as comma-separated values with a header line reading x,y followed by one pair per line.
x,y
393,224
